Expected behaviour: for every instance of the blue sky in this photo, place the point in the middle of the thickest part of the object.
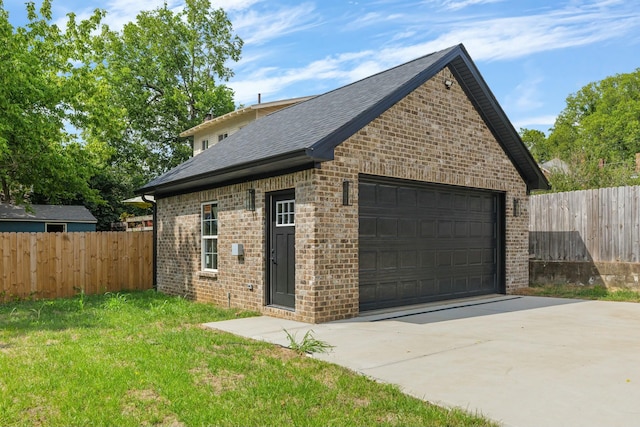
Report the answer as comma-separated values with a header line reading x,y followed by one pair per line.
x,y
532,54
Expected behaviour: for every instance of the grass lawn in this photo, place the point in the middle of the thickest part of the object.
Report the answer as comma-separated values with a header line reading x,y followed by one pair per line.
x,y
581,292
132,359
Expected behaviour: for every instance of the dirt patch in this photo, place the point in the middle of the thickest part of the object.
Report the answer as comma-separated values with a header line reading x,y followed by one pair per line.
x,y
149,408
277,352
220,382
40,413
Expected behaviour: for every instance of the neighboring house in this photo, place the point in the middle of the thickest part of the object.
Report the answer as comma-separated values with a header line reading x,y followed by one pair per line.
x,y
50,218
138,223
406,187
554,165
215,129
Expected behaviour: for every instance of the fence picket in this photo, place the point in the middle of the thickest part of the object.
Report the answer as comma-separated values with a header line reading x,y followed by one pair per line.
x,y
588,225
54,265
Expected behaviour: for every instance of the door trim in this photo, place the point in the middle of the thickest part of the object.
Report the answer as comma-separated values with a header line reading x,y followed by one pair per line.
x,y
269,229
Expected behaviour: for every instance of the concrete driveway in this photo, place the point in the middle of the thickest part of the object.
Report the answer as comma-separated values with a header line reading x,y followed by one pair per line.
x,y
522,361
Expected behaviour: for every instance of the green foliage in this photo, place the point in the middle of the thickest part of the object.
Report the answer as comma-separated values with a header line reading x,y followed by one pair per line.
x,y
597,292
127,94
597,135
588,174
308,345
42,73
164,71
142,358
601,120
536,142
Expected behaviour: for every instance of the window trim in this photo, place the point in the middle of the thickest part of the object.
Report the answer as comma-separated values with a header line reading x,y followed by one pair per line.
x,y
286,218
63,224
205,144
222,136
204,237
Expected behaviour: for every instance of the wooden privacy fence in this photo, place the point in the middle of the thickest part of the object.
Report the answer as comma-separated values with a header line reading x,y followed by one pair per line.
x,y
601,225
55,265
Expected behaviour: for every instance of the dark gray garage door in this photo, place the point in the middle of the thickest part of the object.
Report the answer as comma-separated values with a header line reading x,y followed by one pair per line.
x,y
426,242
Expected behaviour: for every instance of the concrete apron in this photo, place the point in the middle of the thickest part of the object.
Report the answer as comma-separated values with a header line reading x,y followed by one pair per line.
x,y
522,361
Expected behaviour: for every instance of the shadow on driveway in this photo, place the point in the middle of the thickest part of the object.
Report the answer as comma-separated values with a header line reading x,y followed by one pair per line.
x,y
461,309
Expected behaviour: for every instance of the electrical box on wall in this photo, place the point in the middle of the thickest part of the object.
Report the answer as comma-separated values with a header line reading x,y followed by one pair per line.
x,y
237,249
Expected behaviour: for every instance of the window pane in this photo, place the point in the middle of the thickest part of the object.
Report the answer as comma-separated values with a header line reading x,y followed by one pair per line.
x,y
209,232
285,213
210,253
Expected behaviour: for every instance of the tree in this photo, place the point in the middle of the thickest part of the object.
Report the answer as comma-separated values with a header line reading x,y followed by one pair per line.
x,y
163,70
601,121
536,142
597,134
42,74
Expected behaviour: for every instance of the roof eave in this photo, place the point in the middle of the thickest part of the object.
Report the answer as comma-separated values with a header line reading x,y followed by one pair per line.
x,y
494,116
326,146
296,160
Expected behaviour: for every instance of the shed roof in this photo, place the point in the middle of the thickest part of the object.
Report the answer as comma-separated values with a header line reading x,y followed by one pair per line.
x,y
304,134
58,213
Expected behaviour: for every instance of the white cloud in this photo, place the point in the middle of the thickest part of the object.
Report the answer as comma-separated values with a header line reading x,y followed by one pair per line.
x,y
494,39
119,12
489,40
234,5
370,19
256,27
545,121
461,4
526,95
343,68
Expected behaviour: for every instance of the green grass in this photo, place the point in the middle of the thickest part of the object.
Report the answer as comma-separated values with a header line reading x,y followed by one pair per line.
x,y
132,359
581,292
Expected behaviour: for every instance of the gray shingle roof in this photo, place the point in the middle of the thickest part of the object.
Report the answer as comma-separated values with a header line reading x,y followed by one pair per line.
x,y
306,133
58,213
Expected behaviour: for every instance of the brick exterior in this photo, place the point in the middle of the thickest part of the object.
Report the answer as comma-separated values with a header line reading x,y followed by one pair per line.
x,y
433,135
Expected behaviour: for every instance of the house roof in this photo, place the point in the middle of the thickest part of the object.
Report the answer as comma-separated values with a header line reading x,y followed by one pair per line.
x,y
555,165
241,112
307,133
58,213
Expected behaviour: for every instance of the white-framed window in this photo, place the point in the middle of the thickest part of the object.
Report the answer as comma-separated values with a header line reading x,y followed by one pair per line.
x,y
205,144
222,136
56,227
209,233
285,213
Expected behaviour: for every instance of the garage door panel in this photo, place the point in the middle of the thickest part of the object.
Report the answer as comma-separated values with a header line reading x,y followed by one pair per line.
x,y
460,285
408,259
427,228
387,291
368,294
368,226
428,258
387,227
426,198
431,242
388,260
445,258
368,260
386,195
445,229
407,228
407,197
367,191
460,258
428,287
